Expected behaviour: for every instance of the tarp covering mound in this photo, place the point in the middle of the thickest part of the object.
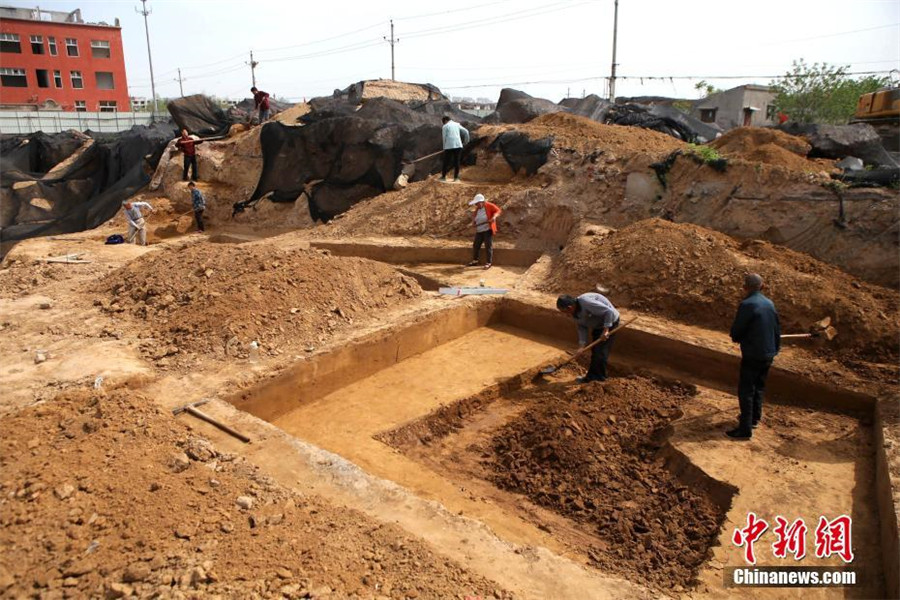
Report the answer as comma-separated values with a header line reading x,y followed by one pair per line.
x,y
200,115
514,106
343,154
518,107
245,110
70,182
839,141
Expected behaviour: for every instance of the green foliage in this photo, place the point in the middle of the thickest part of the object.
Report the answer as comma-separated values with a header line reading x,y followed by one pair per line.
x,y
685,106
706,89
821,93
707,155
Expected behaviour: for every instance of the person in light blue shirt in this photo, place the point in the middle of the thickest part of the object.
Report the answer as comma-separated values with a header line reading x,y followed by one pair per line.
x,y
137,226
593,314
455,136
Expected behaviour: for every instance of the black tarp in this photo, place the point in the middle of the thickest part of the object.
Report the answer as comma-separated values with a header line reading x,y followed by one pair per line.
x,y
200,115
344,153
664,119
839,141
514,106
90,189
521,152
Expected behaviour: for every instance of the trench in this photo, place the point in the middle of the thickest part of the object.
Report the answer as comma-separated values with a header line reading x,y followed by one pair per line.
x,y
436,405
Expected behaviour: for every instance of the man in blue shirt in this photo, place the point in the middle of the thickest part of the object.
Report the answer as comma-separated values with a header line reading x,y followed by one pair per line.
x,y
757,330
199,204
455,136
592,313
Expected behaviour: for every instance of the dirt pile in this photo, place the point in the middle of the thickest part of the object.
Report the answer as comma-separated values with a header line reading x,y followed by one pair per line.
x,y
592,455
693,274
104,495
586,136
219,298
769,146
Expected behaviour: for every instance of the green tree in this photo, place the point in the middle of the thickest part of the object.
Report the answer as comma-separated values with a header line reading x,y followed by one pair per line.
x,y
821,93
706,89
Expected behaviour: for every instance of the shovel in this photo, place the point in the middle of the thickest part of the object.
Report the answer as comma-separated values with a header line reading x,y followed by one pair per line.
x,y
821,328
553,368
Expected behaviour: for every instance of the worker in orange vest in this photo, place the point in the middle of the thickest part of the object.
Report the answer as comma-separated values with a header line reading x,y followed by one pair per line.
x,y
485,220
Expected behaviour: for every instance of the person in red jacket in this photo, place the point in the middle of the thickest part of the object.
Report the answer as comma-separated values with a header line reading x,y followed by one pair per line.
x,y
485,220
261,101
188,145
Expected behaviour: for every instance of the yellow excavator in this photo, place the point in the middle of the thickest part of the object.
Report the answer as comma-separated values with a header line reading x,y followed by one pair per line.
x,y
881,110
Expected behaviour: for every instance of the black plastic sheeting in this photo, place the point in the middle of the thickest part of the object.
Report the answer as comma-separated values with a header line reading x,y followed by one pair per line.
x,y
664,119
521,152
343,154
200,115
89,190
838,141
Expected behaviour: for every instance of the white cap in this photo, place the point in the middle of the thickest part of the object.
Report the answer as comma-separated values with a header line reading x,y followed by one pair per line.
x,y
478,198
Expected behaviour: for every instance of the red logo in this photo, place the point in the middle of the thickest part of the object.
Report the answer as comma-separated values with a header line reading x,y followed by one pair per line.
x,y
791,538
833,537
748,536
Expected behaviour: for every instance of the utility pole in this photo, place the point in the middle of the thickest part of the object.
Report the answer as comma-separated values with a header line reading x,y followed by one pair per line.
x,y
146,13
180,80
612,75
392,41
253,64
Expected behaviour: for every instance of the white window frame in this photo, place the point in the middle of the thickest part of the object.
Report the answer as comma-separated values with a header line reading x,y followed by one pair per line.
x,y
72,78
72,43
51,45
100,44
57,78
111,106
14,72
36,39
9,37
82,108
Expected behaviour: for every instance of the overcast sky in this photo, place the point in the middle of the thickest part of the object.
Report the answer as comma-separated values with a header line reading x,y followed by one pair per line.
x,y
474,48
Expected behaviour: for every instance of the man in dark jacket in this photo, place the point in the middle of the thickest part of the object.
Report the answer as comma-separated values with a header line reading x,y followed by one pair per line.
x,y
188,145
593,313
757,330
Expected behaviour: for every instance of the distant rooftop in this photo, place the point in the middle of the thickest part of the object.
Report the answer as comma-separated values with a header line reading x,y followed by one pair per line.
x,y
48,16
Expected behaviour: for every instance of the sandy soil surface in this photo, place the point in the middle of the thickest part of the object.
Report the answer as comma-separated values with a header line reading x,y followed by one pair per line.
x,y
105,495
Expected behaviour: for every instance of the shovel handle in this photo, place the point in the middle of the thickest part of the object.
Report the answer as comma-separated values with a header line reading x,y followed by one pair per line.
x,y
205,417
598,340
799,335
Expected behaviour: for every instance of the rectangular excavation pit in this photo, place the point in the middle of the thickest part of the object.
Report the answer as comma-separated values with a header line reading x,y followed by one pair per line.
x,y
437,266
383,403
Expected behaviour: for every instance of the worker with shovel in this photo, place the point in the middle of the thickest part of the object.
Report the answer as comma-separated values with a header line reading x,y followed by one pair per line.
x,y
137,226
757,330
592,313
454,136
198,202
188,145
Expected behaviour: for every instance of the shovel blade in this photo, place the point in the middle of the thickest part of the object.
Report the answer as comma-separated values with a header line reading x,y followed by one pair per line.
x,y
548,370
829,333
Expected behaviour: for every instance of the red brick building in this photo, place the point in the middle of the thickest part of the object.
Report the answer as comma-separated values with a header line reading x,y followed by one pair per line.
x,y
54,60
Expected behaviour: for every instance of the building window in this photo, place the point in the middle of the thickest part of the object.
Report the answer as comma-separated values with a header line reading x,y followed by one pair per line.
x,y
71,47
57,78
13,78
51,43
80,106
708,115
105,81
108,106
9,42
43,78
771,112
37,44
99,49
77,81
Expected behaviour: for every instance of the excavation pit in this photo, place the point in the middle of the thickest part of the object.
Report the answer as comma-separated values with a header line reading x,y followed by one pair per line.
x,y
440,266
631,477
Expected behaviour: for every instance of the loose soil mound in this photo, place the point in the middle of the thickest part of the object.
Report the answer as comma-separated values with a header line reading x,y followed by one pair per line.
x,y
694,275
104,495
202,298
585,135
769,146
591,456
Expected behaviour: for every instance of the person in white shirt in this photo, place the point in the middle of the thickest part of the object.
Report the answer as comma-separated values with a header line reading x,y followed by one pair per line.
x,y
137,226
455,136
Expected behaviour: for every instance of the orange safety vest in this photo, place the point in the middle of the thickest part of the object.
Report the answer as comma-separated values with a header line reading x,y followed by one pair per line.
x,y
491,210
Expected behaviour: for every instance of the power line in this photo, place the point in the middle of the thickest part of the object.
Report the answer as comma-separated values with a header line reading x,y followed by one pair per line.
x,y
830,35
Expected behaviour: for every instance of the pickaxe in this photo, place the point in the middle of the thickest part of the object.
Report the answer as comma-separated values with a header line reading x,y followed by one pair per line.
x,y
821,328
190,408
